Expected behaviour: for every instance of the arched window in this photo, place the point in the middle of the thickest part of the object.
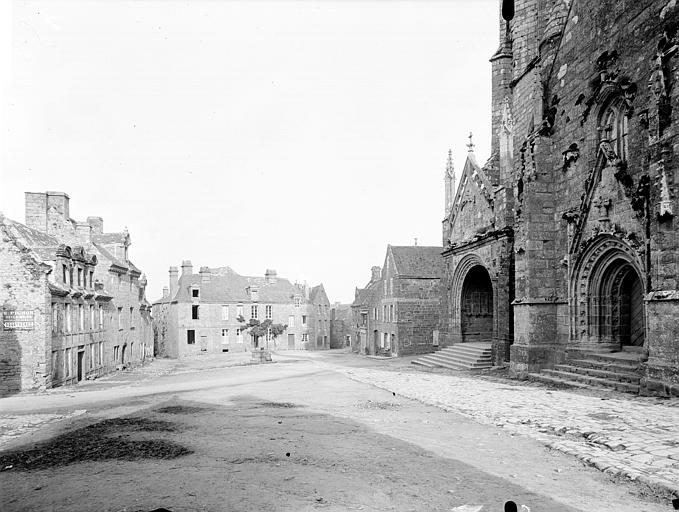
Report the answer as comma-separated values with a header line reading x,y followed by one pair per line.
x,y
615,129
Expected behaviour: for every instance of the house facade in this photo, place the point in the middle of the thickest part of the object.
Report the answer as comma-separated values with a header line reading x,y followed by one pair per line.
x,y
341,320
204,312
57,306
565,241
397,313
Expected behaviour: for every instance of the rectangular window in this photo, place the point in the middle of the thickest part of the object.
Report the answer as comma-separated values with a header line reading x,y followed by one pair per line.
x,y
101,353
194,312
70,276
391,312
93,355
225,312
267,312
374,313
68,363
91,279
382,340
131,318
80,276
225,333
291,321
384,313
55,363
120,319
92,319
319,309
298,302
101,317
268,335
305,338
253,311
64,274
303,320
239,336
195,293
81,317
239,310
364,319
55,317
116,352
84,279
190,337
69,318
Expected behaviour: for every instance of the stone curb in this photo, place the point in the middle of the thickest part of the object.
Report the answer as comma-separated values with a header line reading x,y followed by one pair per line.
x,y
605,465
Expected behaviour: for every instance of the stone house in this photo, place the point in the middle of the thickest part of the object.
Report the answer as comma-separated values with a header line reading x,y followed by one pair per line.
x,y
56,301
340,325
564,244
201,312
397,313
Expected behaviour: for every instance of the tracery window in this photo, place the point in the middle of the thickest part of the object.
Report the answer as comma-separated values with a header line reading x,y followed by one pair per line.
x,y
615,129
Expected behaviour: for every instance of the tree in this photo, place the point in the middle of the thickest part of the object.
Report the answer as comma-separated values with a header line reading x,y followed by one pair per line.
x,y
258,329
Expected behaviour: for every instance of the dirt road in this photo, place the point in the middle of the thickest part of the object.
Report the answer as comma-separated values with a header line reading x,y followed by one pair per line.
x,y
291,436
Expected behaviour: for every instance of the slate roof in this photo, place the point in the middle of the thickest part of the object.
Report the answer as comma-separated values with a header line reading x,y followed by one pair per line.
x,y
44,246
228,286
418,261
315,291
110,238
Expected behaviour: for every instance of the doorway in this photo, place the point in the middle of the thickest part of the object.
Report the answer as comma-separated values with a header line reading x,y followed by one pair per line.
x,y
477,306
81,357
291,341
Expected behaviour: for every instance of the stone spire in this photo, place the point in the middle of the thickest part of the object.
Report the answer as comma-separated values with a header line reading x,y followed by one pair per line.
x,y
470,146
449,180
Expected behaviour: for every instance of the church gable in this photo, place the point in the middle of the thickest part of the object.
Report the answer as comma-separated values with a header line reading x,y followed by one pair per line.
x,y
472,212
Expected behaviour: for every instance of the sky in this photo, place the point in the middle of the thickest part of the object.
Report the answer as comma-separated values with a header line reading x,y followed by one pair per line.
x,y
301,136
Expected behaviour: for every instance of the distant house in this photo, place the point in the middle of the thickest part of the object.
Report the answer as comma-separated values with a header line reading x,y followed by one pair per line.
x,y
199,312
397,313
340,325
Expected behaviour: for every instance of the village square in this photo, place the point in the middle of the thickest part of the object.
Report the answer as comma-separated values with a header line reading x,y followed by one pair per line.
x,y
527,359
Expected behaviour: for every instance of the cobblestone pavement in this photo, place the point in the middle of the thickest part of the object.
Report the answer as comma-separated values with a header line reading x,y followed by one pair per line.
x,y
12,426
637,438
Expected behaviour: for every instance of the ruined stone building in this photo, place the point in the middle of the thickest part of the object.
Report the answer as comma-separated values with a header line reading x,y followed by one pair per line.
x,y
70,309
397,312
201,312
563,244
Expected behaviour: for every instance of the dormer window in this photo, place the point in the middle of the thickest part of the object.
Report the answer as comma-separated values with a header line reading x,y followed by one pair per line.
x,y
195,292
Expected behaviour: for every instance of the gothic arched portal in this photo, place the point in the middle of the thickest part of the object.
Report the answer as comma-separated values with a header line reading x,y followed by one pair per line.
x,y
476,305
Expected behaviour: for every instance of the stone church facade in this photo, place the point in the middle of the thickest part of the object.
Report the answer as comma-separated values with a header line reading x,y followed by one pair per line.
x,y
565,241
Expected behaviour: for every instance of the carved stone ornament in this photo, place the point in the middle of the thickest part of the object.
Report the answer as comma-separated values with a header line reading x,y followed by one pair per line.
x,y
570,156
665,206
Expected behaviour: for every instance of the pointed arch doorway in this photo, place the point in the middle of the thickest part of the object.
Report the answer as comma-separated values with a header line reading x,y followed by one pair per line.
x,y
476,315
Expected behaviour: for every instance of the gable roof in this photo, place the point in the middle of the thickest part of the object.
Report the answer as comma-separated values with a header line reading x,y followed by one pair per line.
x,y
317,293
418,261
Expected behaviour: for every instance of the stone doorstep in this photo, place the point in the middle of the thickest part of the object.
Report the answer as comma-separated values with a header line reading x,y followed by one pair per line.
x,y
461,348
601,365
605,374
460,357
596,381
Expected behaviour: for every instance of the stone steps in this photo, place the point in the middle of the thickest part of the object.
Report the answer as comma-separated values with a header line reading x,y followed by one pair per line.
x,y
616,370
462,356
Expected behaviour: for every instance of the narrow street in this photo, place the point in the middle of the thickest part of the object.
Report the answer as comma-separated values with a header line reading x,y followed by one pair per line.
x,y
309,432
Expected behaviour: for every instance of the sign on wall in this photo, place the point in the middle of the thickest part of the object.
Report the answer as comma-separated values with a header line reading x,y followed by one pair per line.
x,y
17,320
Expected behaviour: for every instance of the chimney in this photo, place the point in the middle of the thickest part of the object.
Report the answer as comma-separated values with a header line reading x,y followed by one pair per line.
x,y
376,273
82,232
174,282
204,274
187,268
166,292
270,276
36,210
60,201
97,224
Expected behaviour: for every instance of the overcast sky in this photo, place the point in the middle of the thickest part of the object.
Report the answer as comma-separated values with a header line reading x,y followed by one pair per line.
x,y
299,136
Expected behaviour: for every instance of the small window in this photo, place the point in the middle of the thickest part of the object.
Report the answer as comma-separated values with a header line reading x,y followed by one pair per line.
x,y
68,363
268,312
194,312
120,318
225,312
92,319
131,318
80,276
298,302
81,317
70,276
101,317
253,312
304,320
239,310
239,336
305,338
291,321
91,279
55,317
116,353
190,337
69,318
64,270
195,292
225,333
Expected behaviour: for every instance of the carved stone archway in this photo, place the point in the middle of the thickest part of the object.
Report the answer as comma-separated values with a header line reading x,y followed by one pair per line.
x,y
459,284
606,290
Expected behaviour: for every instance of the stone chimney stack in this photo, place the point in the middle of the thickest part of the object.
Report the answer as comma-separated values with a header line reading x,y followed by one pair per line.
x,y
97,224
174,281
36,210
187,268
166,292
83,233
270,276
376,273
204,274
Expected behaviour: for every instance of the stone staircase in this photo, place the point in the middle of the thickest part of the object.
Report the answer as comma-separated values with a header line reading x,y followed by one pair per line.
x,y
616,370
461,356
